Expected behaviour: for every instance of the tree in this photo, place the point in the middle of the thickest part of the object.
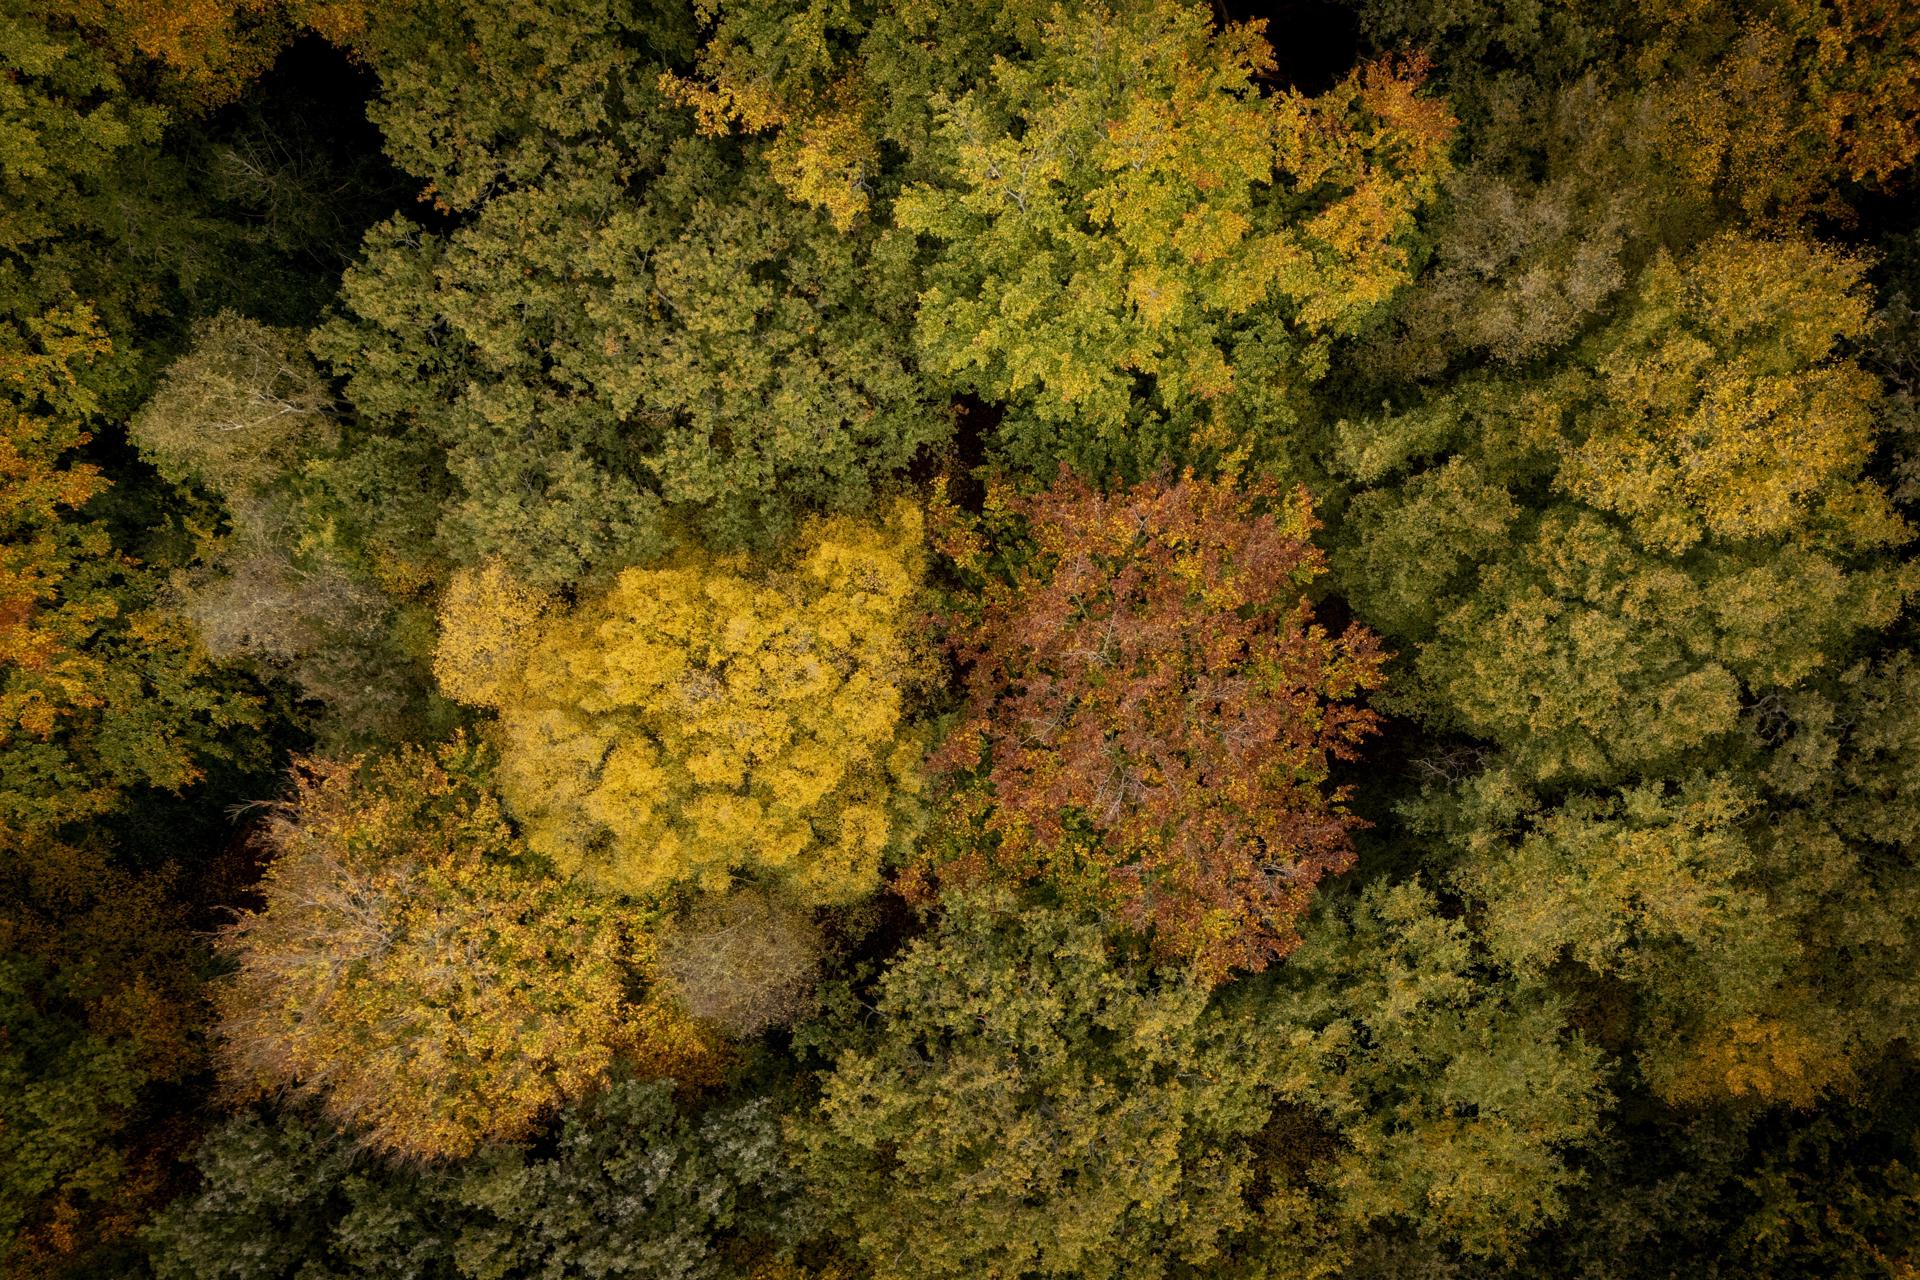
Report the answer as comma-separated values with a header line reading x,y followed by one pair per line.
x,y
414,974
100,694
338,640
632,1188
478,96
1152,712
649,335
70,122
1599,134
1033,1105
1674,518
843,88
101,1020
1452,1097
700,722
1723,407
1136,246
1585,658
742,962
246,415
1531,240
213,49
1767,106
244,404
1758,916
1762,1192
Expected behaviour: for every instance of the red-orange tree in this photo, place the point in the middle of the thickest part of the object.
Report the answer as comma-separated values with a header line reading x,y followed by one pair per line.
x,y
1152,711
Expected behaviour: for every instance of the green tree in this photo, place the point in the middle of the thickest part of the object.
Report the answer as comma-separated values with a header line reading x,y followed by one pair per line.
x,y
636,340
1769,105
478,96
633,1188
1137,247
1759,917
1747,1192
1033,1105
69,124
847,91
1454,1096
1600,561
101,1015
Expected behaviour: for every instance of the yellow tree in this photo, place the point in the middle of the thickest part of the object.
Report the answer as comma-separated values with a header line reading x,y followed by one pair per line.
x,y
705,719
1722,407
421,977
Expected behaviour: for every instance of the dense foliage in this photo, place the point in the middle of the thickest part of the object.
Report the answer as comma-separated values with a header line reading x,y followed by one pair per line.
x,y
412,973
693,723
1156,717
878,640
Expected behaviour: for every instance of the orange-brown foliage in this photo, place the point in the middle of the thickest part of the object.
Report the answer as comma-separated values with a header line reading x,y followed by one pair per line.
x,y
1152,712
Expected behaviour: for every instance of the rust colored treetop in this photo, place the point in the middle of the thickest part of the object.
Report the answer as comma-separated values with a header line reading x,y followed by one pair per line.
x,y
1152,711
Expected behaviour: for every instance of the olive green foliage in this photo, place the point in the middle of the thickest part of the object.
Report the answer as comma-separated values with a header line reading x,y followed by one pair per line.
x,y
633,1188
638,330
843,89
68,1091
1456,1092
1601,133
69,124
1033,1104
480,95
1718,898
1766,107
1782,1193
102,695
112,720
1717,420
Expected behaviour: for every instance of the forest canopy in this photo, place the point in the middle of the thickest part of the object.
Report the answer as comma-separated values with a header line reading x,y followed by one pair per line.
x,y
1000,640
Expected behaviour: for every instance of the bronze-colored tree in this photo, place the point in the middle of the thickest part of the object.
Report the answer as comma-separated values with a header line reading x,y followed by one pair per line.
x,y
1152,712
424,980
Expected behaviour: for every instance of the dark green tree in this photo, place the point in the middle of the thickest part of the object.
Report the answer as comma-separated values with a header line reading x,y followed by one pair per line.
x,y
632,1188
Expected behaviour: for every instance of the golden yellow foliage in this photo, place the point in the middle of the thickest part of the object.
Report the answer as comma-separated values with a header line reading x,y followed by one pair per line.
x,y
486,618
828,160
1725,409
418,977
704,719
1767,1059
